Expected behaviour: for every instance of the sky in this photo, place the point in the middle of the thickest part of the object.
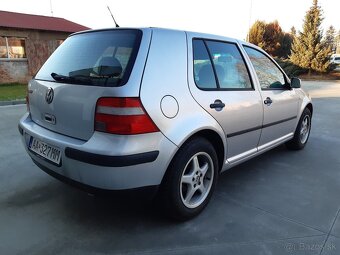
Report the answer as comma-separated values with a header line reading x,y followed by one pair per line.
x,y
222,17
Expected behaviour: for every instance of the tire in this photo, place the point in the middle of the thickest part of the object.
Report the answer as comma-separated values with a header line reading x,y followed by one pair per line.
x,y
190,180
302,131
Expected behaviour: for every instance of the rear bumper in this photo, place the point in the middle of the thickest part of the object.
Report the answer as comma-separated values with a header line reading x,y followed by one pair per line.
x,y
141,192
105,161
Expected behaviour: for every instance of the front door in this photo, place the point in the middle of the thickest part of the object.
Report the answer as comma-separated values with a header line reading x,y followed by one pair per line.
x,y
279,99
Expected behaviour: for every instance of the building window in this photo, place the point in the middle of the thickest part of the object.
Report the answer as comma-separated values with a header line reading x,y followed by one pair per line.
x,y
3,47
12,48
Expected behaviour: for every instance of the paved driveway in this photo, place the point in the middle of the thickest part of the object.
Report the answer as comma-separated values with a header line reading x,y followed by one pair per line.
x,y
282,202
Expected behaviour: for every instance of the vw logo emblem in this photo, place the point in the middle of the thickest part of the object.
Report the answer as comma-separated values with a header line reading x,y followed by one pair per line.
x,y
49,95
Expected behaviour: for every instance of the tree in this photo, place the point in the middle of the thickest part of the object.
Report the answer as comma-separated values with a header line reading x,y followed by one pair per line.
x,y
256,32
330,39
270,37
286,46
337,40
293,31
308,49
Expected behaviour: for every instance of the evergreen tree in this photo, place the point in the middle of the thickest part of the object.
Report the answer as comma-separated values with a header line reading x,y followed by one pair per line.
x,y
337,41
293,31
330,38
286,45
308,49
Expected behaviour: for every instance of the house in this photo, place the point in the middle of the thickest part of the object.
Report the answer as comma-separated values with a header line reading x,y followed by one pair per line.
x,y
26,41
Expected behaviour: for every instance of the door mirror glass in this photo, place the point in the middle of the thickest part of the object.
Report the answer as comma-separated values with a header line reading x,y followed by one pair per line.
x,y
295,83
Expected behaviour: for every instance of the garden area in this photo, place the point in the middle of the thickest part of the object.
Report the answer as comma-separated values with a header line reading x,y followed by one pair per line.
x,y
12,91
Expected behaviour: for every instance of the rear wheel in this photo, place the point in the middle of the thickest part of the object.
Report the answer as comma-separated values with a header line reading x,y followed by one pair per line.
x,y
302,131
190,180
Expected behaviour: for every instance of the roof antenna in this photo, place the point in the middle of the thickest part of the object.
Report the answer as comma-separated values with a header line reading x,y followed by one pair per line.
x,y
112,17
51,8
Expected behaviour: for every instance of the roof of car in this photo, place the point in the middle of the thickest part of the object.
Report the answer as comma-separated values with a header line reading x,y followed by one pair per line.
x,y
38,22
200,34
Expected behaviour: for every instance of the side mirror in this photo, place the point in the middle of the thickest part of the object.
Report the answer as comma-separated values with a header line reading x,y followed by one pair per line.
x,y
295,83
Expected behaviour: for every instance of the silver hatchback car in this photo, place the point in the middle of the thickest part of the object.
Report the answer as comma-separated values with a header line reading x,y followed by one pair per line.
x,y
159,109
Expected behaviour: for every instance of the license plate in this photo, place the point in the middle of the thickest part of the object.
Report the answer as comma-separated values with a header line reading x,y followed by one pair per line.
x,y
45,150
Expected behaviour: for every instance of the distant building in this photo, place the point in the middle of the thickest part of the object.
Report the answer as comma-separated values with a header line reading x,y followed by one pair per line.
x,y
26,41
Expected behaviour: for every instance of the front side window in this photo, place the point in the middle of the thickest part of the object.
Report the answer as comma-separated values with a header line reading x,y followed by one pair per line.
x,y
103,58
12,48
269,75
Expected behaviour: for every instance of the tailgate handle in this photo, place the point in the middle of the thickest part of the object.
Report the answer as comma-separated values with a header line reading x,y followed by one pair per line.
x,y
50,118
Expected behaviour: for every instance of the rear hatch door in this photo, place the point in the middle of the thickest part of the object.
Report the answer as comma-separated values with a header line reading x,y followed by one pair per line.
x,y
87,66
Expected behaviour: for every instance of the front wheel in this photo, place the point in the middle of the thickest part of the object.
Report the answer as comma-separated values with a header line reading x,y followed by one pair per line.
x,y
302,131
190,180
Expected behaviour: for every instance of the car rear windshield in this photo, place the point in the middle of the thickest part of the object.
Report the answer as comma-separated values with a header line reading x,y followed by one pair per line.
x,y
101,58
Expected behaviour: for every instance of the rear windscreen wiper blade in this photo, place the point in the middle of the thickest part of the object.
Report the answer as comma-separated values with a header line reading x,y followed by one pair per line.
x,y
85,79
71,79
59,77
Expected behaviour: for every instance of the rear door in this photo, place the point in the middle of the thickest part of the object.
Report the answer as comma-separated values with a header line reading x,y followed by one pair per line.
x,y
87,66
280,101
221,84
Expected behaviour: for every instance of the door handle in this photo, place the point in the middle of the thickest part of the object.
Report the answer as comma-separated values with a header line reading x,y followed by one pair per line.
x,y
218,105
268,101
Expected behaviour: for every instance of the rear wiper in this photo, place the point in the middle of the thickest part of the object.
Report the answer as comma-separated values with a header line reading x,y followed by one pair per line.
x,y
84,79
71,79
59,77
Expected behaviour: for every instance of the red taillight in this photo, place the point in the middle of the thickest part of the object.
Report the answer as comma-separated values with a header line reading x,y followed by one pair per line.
x,y
123,116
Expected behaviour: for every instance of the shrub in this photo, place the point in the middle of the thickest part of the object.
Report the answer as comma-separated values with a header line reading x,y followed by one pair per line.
x,y
291,69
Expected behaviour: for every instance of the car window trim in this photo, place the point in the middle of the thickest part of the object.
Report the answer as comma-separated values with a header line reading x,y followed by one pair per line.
x,y
283,88
216,79
212,64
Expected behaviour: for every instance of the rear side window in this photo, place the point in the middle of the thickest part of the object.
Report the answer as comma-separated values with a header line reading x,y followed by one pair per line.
x,y
219,65
103,58
269,75
203,70
230,68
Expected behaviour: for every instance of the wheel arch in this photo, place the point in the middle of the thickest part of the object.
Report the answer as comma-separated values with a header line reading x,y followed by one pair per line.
x,y
215,139
211,136
310,107
306,102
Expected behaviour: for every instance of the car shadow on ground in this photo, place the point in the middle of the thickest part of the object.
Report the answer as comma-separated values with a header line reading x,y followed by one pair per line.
x,y
122,209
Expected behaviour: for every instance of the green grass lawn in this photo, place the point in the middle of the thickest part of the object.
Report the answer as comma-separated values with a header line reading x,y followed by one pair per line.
x,y
12,91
